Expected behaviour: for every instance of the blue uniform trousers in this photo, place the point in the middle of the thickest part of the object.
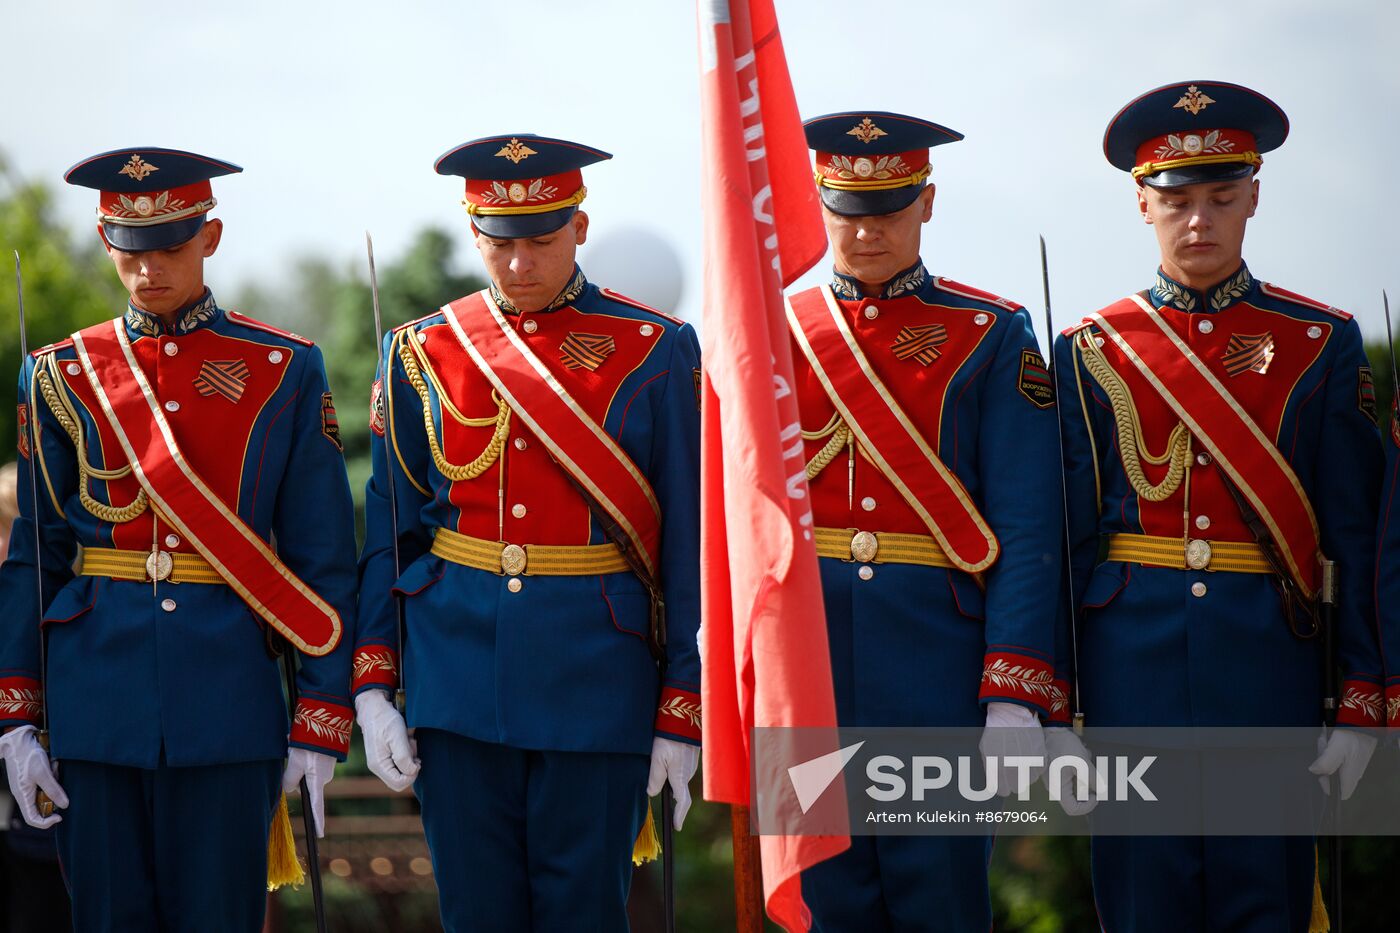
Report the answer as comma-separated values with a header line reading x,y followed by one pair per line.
x,y
529,840
902,883
167,849
1213,884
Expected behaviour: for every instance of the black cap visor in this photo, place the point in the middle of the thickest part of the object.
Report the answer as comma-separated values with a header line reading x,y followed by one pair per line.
x,y
869,203
518,226
1199,174
157,236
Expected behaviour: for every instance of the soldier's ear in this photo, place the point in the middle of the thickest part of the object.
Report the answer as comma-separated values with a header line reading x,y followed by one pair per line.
x,y
212,234
580,226
1253,197
1142,203
927,196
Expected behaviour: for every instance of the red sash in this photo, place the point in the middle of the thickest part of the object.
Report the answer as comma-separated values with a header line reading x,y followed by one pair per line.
x,y
577,442
1198,397
235,551
885,431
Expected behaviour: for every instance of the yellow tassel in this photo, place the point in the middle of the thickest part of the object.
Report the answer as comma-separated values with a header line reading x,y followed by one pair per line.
x,y
647,848
283,866
1320,923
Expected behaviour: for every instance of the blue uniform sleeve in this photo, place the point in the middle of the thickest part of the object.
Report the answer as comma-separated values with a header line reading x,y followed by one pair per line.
x,y
1021,502
399,453
675,476
1346,498
21,601
314,528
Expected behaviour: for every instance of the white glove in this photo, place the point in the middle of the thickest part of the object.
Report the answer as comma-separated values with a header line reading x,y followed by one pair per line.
x,y
1012,730
318,769
1345,753
1063,743
389,752
29,770
675,762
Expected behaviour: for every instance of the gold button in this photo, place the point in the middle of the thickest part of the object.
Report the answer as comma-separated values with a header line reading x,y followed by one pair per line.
x,y
1314,332
1202,522
980,319
520,443
865,572
647,330
1203,459
422,336
158,565
518,510
868,504
1205,327
171,349
1198,589
74,369
872,312
530,326
172,406
275,356
172,540
514,584
1098,341
168,605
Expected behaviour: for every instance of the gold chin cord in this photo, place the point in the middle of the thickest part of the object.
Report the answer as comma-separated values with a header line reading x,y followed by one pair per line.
x,y
420,373
1132,448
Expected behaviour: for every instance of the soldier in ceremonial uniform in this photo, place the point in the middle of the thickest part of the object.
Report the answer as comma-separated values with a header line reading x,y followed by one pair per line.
x,y
1220,435
540,440
929,424
173,446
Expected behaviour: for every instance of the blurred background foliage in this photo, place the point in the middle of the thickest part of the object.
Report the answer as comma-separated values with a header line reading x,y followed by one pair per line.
x,y
1039,885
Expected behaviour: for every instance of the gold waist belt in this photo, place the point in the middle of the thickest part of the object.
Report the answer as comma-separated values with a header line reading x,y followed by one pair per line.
x,y
881,547
1188,553
145,566
541,560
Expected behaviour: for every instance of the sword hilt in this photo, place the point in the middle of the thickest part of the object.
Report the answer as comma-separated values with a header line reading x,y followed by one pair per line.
x,y
41,799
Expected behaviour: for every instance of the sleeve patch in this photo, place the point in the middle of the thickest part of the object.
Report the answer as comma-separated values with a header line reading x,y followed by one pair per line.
x,y
1366,394
698,393
22,438
376,408
330,425
1034,383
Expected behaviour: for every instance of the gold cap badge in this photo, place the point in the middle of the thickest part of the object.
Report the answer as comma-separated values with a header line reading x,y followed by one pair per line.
x,y
866,131
516,151
138,168
1193,101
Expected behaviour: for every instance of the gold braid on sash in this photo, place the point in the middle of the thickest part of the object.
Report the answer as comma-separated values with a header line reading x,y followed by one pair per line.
x,y
1131,446
840,435
69,420
420,372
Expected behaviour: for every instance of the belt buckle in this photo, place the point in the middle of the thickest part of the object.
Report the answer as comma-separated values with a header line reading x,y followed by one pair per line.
x,y
513,560
159,565
864,546
1198,554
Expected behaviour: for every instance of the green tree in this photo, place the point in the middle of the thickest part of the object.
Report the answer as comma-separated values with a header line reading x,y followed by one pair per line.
x,y
66,287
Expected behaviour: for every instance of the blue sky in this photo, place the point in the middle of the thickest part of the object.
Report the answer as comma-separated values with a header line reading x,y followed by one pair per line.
x,y
337,111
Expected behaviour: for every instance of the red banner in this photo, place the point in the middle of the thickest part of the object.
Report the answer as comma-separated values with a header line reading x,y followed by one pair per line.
x,y
764,642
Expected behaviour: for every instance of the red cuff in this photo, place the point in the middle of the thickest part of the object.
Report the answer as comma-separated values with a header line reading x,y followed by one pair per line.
x,y
375,666
678,713
1362,704
1019,679
1392,705
1059,701
322,725
21,700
